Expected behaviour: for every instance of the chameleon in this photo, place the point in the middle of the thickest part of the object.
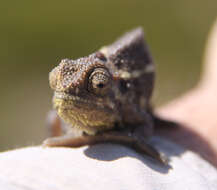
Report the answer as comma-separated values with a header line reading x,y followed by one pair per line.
x,y
105,98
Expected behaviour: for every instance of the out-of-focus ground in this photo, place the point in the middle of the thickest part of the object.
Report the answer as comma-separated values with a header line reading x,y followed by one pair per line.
x,y
36,35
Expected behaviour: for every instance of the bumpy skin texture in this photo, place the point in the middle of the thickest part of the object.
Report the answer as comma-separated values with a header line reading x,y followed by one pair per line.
x,y
105,96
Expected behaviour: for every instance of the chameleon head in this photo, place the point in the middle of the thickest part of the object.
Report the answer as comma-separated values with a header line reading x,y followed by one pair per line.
x,y
111,87
83,93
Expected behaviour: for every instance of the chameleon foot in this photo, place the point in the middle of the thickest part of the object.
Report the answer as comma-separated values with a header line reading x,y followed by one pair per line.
x,y
138,146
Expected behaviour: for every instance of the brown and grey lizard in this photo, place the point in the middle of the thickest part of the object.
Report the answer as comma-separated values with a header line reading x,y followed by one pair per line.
x,y
105,97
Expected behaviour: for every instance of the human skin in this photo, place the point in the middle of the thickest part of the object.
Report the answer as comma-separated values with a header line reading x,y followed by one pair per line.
x,y
51,168
196,110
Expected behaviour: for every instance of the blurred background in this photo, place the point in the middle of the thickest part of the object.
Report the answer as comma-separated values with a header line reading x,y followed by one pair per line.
x,y
36,35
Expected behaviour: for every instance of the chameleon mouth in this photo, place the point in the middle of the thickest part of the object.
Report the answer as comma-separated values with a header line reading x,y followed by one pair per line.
x,y
76,99
66,96
86,115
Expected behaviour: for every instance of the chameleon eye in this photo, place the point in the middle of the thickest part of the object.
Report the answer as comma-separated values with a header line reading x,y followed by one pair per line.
x,y
99,81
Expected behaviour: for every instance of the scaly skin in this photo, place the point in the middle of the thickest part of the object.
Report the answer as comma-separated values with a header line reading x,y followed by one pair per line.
x,y
105,96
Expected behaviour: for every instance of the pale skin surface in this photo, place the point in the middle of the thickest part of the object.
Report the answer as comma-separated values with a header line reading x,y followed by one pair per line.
x,y
196,110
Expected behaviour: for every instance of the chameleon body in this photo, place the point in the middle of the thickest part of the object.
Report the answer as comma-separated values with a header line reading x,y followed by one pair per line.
x,y
105,97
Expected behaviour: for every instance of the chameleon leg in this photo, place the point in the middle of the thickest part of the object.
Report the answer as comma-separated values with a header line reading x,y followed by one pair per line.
x,y
140,136
54,124
58,134
69,140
